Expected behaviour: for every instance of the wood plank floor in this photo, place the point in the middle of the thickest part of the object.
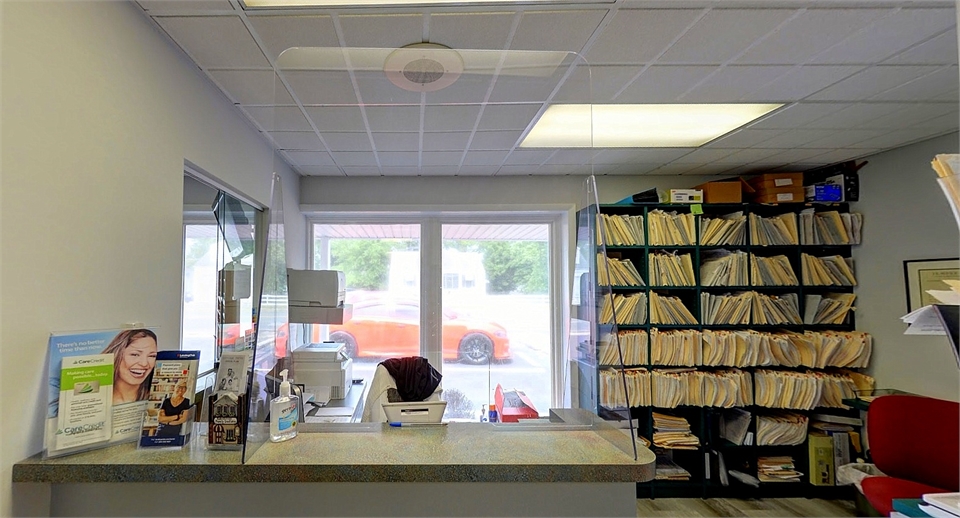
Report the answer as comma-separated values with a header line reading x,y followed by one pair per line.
x,y
764,507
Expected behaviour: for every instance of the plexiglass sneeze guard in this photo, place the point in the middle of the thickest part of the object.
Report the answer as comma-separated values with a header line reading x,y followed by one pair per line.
x,y
428,110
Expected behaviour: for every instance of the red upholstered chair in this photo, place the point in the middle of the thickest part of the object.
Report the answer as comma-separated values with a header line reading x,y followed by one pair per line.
x,y
916,441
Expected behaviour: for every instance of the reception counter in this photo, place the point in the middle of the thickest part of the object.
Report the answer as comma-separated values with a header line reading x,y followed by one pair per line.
x,y
571,467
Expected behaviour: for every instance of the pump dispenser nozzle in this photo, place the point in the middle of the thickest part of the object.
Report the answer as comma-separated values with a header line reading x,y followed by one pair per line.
x,y
284,385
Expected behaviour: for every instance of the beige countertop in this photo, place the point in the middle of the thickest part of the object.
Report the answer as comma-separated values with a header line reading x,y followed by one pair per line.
x,y
457,452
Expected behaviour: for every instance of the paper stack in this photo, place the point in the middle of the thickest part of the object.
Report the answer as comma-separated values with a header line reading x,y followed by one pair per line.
x,y
617,272
831,308
619,230
630,309
830,227
671,269
725,389
772,271
828,271
673,432
669,310
667,469
723,268
734,425
781,428
777,469
725,230
774,231
728,309
632,344
637,393
841,349
776,309
731,348
675,347
670,228
802,390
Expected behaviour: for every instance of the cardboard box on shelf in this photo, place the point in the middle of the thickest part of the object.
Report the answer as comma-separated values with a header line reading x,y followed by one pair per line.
x,y
776,180
821,459
729,190
781,195
514,405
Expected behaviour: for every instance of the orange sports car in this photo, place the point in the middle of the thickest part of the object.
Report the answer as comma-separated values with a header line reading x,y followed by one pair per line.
x,y
381,328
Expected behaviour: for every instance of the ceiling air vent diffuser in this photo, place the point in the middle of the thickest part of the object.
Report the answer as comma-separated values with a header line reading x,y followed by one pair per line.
x,y
423,67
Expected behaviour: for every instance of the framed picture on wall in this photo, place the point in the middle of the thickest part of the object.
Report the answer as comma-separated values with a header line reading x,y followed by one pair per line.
x,y
929,274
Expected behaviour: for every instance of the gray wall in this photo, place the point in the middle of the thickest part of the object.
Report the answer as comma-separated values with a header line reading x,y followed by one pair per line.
x,y
905,216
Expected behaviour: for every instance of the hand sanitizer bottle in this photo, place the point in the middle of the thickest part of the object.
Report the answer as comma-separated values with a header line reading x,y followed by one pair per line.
x,y
284,412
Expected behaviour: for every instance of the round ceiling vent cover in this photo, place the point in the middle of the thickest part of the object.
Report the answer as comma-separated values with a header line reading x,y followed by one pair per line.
x,y
423,67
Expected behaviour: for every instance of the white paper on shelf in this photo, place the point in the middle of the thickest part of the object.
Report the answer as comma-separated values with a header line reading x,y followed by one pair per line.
x,y
923,321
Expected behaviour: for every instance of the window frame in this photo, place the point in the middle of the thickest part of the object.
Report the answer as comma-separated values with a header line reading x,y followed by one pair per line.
x,y
431,276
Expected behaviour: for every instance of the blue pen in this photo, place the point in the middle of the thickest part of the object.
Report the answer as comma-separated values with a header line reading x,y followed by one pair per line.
x,y
417,424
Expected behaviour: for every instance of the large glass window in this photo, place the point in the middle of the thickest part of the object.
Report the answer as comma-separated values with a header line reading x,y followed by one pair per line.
x,y
200,292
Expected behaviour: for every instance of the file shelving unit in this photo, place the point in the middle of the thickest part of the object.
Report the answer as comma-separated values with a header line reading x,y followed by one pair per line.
x,y
704,421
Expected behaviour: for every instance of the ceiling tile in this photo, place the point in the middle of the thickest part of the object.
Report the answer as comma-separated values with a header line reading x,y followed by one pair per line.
x,y
936,85
468,88
663,84
800,82
214,41
616,155
252,86
939,50
298,140
507,116
811,32
375,88
796,115
450,118
707,169
347,141
440,170
484,158
471,30
607,81
889,35
855,116
396,141
946,122
361,171
576,157
393,118
870,82
894,139
637,36
354,158
321,87
744,138
336,118
793,138
704,155
279,118
847,138
746,156
491,140
194,5
312,170
528,157
661,154
722,34
554,169
671,169
445,141
279,33
441,158
731,83
399,158
633,169
310,158
401,171
478,170
565,31
516,170
523,89
843,155
381,31
912,114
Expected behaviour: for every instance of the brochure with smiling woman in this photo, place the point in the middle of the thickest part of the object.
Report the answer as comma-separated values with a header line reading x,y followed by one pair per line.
x,y
133,354
168,421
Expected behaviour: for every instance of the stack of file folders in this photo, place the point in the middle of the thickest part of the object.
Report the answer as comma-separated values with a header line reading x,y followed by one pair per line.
x,y
830,227
730,229
673,432
667,469
781,429
617,272
723,268
803,390
777,469
772,271
670,228
629,309
616,230
725,388
669,310
828,271
675,347
776,309
632,345
637,393
727,309
774,231
831,308
815,349
841,348
671,269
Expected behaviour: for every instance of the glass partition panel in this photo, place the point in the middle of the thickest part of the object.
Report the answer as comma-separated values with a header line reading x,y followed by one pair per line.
x,y
235,259
269,357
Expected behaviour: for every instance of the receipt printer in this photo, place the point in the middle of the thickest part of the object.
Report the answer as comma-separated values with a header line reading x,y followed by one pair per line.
x,y
315,296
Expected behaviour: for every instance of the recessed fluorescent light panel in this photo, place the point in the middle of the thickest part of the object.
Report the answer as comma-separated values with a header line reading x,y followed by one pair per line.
x,y
639,125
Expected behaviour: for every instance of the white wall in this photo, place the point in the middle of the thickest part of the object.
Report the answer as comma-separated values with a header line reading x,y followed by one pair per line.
x,y
99,113
906,216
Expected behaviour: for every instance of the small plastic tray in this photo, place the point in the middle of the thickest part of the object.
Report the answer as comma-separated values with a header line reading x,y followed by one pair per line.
x,y
415,412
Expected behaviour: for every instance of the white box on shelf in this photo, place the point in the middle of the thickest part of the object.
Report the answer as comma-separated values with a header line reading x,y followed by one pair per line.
x,y
686,196
415,411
